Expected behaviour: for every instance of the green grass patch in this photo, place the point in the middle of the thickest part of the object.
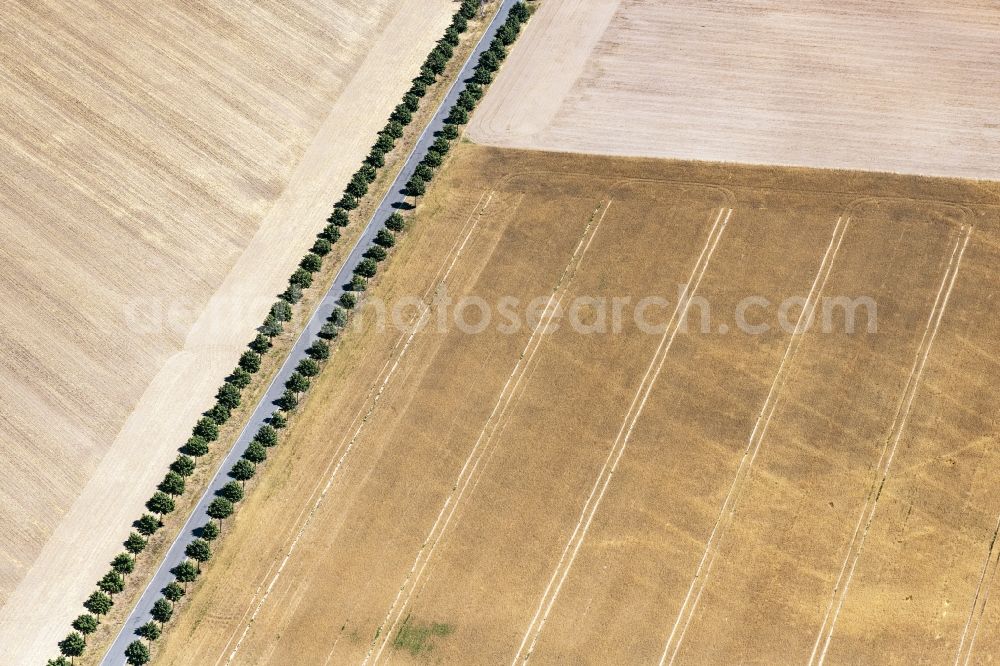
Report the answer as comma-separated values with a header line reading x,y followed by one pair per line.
x,y
417,638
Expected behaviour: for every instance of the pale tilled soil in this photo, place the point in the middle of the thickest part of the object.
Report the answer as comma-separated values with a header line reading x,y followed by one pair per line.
x,y
165,167
909,86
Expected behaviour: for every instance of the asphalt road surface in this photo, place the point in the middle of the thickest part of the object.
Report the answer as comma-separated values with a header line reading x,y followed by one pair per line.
x,y
393,200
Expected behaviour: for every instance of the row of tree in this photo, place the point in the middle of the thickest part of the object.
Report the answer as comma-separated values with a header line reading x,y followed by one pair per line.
x,y
489,62
229,395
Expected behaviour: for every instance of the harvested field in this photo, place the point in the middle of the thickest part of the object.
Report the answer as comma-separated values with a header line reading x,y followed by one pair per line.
x,y
166,165
908,87
670,488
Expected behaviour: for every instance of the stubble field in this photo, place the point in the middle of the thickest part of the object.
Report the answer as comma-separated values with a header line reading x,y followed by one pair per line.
x,y
683,492
165,166
906,87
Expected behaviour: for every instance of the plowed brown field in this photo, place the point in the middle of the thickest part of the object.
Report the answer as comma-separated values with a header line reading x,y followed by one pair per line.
x,y
690,491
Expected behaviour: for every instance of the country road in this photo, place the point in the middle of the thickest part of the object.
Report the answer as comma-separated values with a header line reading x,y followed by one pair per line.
x,y
394,197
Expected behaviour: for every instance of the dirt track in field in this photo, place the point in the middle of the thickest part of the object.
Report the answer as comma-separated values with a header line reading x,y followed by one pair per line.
x,y
546,494
166,166
908,87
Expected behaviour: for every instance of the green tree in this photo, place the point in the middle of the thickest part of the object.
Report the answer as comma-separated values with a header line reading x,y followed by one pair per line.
x,y
488,60
199,550
123,564
520,12
411,102
320,350
483,77
466,101
268,435
172,484
58,661
433,159
293,294
210,531
357,283
288,400
219,413
250,361
172,591
468,9
385,142
425,172
150,631
207,429
183,465
111,584
419,87
347,300
395,222
322,246
339,218
86,624
394,129
331,234
307,367
402,114
338,317
147,525
358,187
376,157
348,201
240,378
228,394
255,453
135,544
242,471
441,145
161,504
301,277
366,268
220,509
376,253
162,610
385,238
72,646
136,654
458,115
451,36
450,132
367,172
232,491
297,383
459,23
98,603
507,33
416,188
271,327
278,420
281,311
260,345
312,263
185,572
196,446
328,331
436,61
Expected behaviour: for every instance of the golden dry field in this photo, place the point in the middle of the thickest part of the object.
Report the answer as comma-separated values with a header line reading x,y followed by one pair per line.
x,y
165,166
674,484
906,86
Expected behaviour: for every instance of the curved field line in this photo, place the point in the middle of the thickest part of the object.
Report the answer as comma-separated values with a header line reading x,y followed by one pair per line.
x,y
882,468
367,407
754,442
472,462
603,480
